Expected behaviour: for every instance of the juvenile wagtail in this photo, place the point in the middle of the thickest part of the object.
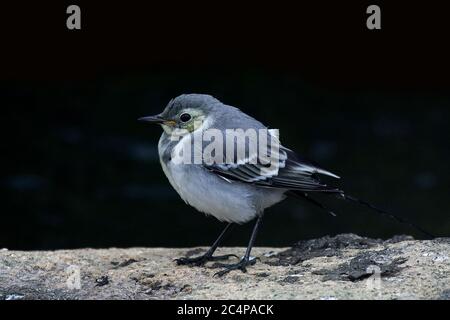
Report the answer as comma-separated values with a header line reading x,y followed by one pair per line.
x,y
239,190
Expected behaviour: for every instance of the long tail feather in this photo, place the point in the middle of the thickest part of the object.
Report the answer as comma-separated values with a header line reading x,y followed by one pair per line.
x,y
386,213
342,195
304,195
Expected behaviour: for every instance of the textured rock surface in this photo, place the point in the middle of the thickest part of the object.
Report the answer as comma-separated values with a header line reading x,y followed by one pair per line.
x,y
342,267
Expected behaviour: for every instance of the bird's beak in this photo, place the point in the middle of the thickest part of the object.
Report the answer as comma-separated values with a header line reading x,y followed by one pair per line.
x,y
157,120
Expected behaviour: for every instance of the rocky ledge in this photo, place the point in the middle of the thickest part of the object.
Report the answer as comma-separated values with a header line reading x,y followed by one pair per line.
x,y
342,267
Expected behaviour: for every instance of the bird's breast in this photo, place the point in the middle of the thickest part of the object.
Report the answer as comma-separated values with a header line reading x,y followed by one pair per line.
x,y
229,201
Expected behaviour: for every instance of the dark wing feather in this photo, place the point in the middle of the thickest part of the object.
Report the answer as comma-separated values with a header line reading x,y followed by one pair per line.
x,y
291,173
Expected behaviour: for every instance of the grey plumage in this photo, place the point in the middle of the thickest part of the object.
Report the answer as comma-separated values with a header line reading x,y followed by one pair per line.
x,y
239,190
232,192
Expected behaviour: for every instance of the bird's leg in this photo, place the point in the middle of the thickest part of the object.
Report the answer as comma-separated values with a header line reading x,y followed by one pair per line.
x,y
245,261
208,256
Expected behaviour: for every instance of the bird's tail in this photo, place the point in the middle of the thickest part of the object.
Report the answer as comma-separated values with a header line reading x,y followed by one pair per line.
x,y
342,195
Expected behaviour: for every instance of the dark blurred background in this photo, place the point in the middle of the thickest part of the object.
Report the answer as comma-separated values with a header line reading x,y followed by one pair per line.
x,y
78,170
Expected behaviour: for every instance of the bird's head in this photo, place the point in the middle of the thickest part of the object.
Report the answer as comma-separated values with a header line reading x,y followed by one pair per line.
x,y
187,112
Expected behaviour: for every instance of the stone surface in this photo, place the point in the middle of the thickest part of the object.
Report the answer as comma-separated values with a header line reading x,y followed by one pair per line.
x,y
341,267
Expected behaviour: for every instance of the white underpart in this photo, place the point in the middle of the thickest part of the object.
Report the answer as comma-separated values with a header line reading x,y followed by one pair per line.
x,y
224,199
227,201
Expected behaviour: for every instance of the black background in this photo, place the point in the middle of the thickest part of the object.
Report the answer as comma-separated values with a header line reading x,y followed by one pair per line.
x,y
79,171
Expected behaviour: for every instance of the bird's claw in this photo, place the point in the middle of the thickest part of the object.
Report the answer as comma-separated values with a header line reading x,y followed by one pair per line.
x,y
197,261
223,257
241,265
201,260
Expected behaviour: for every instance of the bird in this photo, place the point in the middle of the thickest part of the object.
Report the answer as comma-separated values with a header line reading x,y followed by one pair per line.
x,y
240,190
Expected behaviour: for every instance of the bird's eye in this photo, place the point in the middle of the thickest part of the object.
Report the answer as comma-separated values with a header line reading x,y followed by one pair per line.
x,y
185,117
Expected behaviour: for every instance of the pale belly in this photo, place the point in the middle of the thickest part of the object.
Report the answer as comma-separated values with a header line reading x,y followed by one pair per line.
x,y
227,201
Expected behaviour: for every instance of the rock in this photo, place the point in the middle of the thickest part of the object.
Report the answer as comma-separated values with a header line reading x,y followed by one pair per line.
x,y
342,267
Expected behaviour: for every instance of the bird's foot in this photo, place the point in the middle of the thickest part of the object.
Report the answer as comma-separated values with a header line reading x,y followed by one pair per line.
x,y
241,265
201,260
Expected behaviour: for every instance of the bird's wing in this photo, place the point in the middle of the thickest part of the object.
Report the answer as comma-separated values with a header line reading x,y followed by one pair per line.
x,y
289,172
